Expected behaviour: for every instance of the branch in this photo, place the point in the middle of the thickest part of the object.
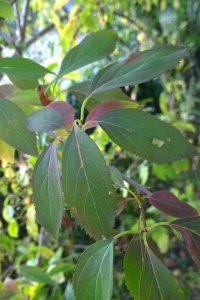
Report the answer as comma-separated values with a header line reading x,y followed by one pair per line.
x,y
16,9
136,185
24,18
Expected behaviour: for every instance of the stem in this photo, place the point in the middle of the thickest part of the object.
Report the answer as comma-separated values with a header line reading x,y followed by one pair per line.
x,y
140,207
159,224
126,232
83,107
136,185
86,124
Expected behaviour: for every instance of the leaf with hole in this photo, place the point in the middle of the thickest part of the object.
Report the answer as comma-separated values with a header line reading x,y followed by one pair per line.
x,y
136,131
189,230
47,193
93,277
13,128
145,274
87,186
169,204
137,68
94,47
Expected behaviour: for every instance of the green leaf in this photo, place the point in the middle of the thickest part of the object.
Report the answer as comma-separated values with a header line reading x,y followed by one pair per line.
x,y
87,185
45,119
47,190
93,277
143,134
146,276
94,47
137,68
66,111
23,83
116,177
63,267
6,11
6,294
27,97
189,230
13,128
13,229
22,67
35,274
6,151
6,90
80,91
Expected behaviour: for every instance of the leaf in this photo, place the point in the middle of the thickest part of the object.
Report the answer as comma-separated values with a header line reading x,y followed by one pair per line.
x,y
66,111
7,90
59,4
122,204
137,131
6,294
94,47
28,97
22,67
10,284
45,119
189,230
13,229
63,267
87,185
169,204
13,128
116,177
6,151
23,83
137,68
35,274
198,171
80,91
47,190
6,11
93,277
146,276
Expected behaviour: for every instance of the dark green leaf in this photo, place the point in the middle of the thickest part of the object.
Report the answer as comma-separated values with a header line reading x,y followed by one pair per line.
x,y
94,47
137,68
35,274
63,267
93,277
146,276
13,128
45,119
189,230
80,91
6,10
22,67
198,171
47,190
143,134
87,185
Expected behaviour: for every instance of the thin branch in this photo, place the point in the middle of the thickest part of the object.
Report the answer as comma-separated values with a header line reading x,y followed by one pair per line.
x,y
24,18
136,185
16,9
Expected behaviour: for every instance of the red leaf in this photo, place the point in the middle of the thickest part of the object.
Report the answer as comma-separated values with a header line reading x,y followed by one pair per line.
x,y
169,204
105,107
66,111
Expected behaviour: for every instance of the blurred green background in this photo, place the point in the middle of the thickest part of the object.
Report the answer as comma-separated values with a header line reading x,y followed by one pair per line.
x,y
44,31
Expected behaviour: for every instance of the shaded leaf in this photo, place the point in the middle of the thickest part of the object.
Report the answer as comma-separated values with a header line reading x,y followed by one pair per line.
x,y
63,267
28,97
10,284
45,119
7,90
80,91
169,204
66,111
23,83
87,185
93,277
94,47
6,294
189,230
137,131
6,151
116,177
122,201
137,68
35,274
13,128
47,190
6,11
146,276
198,170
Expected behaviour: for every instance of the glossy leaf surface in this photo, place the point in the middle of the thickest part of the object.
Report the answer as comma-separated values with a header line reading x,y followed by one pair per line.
x,y
45,119
137,68
146,276
66,111
35,274
169,204
93,277
143,134
189,230
94,47
47,190
87,185
13,128
80,91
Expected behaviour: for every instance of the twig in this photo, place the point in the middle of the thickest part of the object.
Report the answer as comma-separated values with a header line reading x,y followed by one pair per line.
x,y
24,18
40,243
136,185
16,8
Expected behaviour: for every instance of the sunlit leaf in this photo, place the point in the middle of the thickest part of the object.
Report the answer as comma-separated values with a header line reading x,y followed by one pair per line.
x,y
94,47
13,229
137,68
6,151
13,128
47,190
87,185
66,111
189,230
93,277
169,204
63,267
35,274
80,91
6,11
23,83
136,131
27,97
59,4
45,119
146,276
